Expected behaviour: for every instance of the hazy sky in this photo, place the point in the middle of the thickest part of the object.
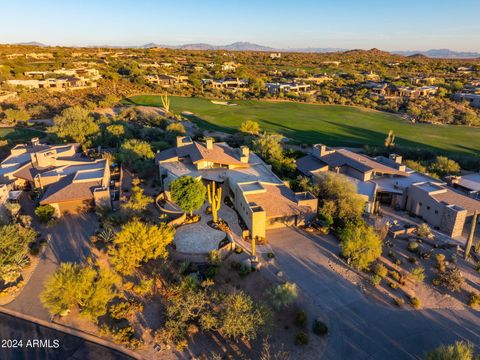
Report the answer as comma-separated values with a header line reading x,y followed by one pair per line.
x,y
385,24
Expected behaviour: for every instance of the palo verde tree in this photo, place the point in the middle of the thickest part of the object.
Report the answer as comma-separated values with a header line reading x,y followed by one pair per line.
x,y
81,286
75,124
188,193
137,242
360,244
250,127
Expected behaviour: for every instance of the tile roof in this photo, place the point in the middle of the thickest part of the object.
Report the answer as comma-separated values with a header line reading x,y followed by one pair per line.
x,y
359,162
219,153
68,190
277,201
452,197
309,164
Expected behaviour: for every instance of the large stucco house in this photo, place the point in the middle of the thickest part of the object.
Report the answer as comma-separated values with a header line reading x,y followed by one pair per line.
x,y
261,199
387,181
67,180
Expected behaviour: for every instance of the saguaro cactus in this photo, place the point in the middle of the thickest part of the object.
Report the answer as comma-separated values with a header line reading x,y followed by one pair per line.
x,y
166,103
214,199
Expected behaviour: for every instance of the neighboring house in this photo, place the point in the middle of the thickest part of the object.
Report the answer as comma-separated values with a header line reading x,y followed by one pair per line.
x,y
316,79
55,84
472,99
230,66
469,184
164,80
261,199
276,88
239,84
423,91
275,56
386,181
69,182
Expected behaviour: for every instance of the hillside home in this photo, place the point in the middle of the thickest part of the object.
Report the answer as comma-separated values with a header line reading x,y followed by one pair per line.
x,y
67,181
276,88
388,182
468,184
472,99
261,199
238,84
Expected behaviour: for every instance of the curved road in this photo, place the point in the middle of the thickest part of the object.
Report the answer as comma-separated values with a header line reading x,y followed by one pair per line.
x,y
360,328
69,346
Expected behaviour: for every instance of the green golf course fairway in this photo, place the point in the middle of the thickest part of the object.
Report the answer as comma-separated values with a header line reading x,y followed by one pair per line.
x,y
329,124
19,134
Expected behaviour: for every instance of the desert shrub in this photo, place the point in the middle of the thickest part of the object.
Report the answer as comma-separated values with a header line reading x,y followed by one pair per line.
x,y
415,302
214,257
395,275
440,262
424,231
301,319
376,279
459,351
399,301
45,213
452,279
418,274
302,338
125,309
283,295
320,328
381,270
145,287
238,250
474,300
393,285
413,246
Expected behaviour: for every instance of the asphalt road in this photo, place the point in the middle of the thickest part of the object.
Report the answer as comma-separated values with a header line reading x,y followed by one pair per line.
x,y
360,328
69,243
69,346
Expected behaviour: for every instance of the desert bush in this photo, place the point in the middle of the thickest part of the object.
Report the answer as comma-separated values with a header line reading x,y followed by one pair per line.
x,y
399,301
440,262
302,338
418,274
301,319
415,302
381,270
413,246
125,309
376,279
474,300
424,231
459,351
44,213
320,328
452,279
283,295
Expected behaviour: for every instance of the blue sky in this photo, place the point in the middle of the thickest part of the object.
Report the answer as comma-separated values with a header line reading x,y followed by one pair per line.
x,y
385,24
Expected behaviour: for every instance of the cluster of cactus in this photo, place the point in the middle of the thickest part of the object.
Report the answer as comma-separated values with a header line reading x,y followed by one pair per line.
x,y
214,199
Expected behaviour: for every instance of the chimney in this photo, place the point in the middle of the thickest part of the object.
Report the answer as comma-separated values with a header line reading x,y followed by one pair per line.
x,y
244,154
319,150
397,158
183,140
209,143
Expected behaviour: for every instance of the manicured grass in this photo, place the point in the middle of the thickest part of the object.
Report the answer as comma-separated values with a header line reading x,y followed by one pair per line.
x,y
329,124
19,134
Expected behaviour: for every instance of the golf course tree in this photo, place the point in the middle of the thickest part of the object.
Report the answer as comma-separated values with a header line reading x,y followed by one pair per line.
x,y
83,287
250,127
443,166
138,242
270,149
188,193
14,241
75,124
136,155
360,245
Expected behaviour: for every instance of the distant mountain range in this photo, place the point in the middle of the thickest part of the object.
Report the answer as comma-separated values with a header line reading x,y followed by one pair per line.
x,y
247,46
440,53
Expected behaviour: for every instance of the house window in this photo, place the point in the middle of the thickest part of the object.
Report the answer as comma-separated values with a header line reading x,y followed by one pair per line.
x,y
419,204
436,211
428,207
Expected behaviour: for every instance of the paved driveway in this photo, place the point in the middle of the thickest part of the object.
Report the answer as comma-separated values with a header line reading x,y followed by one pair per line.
x,y
361,328
70,347
69,243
